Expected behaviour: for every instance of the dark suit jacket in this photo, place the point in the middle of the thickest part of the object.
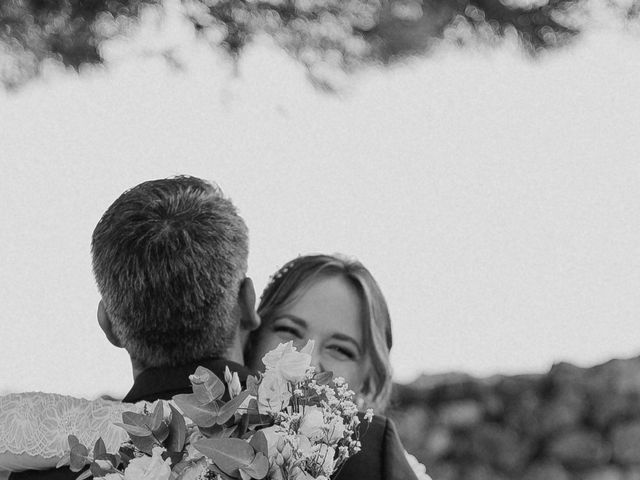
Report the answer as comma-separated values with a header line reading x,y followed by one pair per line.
x,y
382,456
150,385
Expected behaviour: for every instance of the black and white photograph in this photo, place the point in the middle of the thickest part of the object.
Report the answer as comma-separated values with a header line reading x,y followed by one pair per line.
x,y
320,239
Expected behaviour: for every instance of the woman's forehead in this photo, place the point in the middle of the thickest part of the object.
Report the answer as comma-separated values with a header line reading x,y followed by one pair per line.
x,y
329,303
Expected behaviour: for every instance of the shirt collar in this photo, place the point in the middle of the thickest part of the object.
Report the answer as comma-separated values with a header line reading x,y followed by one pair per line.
x,y
165,382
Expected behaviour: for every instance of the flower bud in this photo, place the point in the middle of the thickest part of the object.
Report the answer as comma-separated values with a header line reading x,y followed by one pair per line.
x,y
234,385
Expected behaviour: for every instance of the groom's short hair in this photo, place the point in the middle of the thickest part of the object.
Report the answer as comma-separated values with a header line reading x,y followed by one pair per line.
x,y
168,257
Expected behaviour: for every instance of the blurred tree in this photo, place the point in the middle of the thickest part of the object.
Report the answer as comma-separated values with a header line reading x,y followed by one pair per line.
x,y
319,33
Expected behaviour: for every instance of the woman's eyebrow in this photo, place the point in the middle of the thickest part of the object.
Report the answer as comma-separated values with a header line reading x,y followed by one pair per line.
x,y
297,320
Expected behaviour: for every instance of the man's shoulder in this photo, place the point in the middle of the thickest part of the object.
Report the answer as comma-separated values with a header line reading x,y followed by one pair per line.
x,y
382,456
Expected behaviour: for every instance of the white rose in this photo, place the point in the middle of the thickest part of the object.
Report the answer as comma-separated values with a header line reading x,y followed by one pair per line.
x,y
298,474
288,362
149,468
273,435
335,430
303,445
273,393
298,443
312,424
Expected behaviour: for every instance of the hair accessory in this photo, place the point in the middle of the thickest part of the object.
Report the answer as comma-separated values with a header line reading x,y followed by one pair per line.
x,y
279,274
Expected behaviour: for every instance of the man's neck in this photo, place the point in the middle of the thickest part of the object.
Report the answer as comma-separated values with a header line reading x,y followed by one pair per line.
x,y
137,368
232,354
235,351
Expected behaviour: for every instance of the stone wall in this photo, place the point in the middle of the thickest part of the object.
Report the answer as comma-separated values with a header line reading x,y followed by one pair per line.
x,y
568,424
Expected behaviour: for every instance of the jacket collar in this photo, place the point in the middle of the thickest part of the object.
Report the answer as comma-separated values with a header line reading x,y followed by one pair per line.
x,y
165,382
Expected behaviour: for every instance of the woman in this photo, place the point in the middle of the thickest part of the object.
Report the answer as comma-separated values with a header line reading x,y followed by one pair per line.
x,y
332,300
336,302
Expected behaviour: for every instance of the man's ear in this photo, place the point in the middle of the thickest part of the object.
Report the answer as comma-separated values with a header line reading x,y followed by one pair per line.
x,y
105,324
249,319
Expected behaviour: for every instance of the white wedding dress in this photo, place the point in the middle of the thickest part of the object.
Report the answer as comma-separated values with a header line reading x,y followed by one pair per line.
x,y
34,427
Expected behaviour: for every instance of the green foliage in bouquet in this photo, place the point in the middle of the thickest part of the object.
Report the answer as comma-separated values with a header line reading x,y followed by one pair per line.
x,y
289,422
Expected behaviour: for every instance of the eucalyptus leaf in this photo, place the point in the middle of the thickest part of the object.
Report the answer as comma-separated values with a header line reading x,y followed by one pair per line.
x,y
78,457
231,407
136,430
176,457
220,474
161,433
206,385
258,468
126,453
104,464
99,448
202,415
243,425
228,454
259,442
177,431
228,431
114,459
97,470
84,475
252,407
214,431
64,460
133,418
73,441
144,444
154,421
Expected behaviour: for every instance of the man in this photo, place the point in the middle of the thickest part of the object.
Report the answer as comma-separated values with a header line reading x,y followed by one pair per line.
x,y
170,258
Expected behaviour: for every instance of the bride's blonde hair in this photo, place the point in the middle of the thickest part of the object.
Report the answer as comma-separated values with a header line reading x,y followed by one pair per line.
x,y
293,280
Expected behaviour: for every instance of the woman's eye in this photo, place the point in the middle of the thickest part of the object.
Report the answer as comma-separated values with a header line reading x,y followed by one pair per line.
x,y
343,353
287,331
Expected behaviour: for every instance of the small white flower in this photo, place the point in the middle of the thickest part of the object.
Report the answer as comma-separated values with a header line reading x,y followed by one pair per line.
x,y
149,468
368,416
323,456
334,430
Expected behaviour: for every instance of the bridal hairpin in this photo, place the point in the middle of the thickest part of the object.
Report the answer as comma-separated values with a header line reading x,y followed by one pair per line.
x,y
279,274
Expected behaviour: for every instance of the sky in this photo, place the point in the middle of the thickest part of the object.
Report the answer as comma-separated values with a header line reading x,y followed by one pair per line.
x,y
495,198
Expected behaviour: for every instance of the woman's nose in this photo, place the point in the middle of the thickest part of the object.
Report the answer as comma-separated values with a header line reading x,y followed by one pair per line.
x,y
316,361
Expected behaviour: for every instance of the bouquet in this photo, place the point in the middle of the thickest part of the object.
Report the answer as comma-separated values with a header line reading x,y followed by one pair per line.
x,y
289,423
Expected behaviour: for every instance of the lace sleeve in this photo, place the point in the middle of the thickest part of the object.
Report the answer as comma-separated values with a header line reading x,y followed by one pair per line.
x,y
34,427
419,469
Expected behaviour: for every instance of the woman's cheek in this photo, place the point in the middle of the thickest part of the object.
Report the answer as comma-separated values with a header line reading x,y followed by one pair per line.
x,y
265,343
